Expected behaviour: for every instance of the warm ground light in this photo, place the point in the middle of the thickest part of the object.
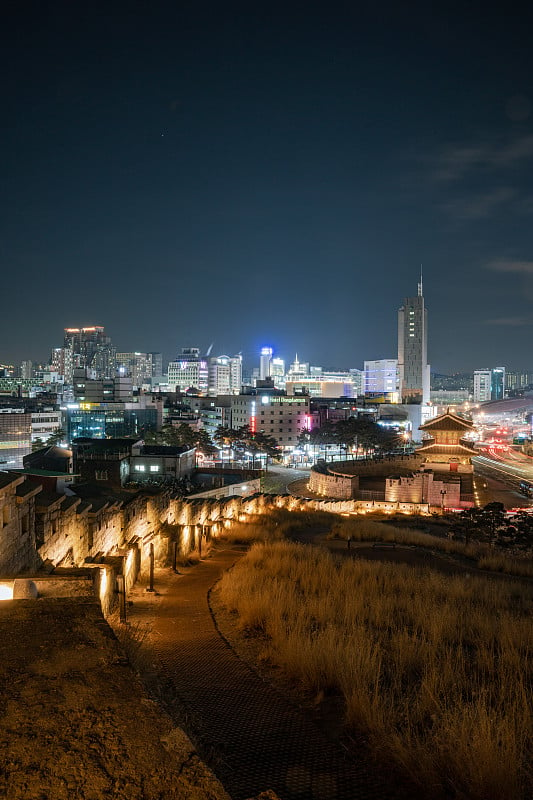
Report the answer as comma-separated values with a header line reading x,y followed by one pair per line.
x,y
435,670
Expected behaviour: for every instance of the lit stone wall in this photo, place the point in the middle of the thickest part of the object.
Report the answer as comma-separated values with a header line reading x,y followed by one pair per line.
x,y
63,535
17,527
332,485
342,477
404,488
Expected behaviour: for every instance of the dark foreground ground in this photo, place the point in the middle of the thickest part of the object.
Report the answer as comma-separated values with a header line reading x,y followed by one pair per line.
x,y
76,723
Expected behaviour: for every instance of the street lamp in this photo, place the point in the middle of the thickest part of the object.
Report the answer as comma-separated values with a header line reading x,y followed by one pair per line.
x,y
443,494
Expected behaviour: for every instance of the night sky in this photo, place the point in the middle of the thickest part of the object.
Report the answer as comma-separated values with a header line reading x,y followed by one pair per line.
x,y
249,174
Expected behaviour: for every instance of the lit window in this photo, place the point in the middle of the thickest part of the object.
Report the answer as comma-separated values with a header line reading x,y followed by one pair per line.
x,y
139,467
154,468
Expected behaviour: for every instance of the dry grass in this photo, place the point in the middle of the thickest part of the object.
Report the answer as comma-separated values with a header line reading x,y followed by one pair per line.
x,y
362,529
510,566
279,524
435,670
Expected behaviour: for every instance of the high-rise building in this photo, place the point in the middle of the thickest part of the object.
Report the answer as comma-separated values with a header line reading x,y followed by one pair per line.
x,y
225,375
137,365
277,372
26,370
518,380
61,362
265,362
157,364
88,389
413,367
91,348
189,371
489,384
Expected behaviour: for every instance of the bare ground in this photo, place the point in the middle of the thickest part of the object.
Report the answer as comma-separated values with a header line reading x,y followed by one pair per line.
x,y
76,721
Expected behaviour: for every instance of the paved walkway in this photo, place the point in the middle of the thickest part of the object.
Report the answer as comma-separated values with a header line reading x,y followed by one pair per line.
x,y
249,733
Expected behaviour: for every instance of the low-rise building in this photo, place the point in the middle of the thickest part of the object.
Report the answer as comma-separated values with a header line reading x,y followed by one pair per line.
x,y
284,418
161,463
45,423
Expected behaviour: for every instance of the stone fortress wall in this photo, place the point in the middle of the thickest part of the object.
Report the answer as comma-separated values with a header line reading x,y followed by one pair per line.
x,y
60,535
340,479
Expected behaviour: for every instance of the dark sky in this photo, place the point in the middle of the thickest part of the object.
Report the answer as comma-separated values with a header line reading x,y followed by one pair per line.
x,y
248,174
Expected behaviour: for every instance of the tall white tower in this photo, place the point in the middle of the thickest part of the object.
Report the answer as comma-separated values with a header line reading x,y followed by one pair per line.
x,y
413,367
265,362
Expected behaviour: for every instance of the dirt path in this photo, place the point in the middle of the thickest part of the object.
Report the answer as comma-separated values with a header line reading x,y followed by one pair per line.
x,y
250,734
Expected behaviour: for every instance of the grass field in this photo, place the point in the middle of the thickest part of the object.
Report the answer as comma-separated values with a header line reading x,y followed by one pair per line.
x,y
436,671
361,528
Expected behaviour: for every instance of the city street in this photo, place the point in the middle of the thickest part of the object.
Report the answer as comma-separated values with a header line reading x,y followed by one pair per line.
x,y
498,474
277,479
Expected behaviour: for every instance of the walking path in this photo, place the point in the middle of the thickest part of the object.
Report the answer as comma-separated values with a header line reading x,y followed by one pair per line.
x,y
252,737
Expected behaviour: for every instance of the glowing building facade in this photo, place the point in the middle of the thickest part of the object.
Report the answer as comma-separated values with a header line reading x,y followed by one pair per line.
x,y
189,371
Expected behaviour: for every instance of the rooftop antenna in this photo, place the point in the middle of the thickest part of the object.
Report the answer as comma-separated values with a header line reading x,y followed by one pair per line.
x,y
420,283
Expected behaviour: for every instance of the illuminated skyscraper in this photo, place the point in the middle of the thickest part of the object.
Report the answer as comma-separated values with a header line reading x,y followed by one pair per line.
x,y
413,367
265,363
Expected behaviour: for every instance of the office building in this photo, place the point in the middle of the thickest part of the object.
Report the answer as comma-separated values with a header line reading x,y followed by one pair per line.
x,y
189,371
90,348
61,363
381,377
489,384
272,413
157,364
44,424
413,369
515,381
15,437
224,375
111,420
298,369
88,389
138,366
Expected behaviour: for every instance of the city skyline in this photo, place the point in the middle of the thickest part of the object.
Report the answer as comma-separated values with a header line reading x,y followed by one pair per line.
x,y
259,176
251,360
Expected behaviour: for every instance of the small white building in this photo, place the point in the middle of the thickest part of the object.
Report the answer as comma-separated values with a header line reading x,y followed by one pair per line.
x,y
44,424
154,462
381,376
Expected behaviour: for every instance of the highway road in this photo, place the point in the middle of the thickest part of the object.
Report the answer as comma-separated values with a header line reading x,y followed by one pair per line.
x,y
499,470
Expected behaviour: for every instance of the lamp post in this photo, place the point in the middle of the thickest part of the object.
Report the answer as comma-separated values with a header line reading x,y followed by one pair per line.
x,y
443,494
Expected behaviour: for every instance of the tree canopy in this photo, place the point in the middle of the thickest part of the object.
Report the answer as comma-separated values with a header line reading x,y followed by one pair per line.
x,y
491,524
181,435
354,432
243,439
